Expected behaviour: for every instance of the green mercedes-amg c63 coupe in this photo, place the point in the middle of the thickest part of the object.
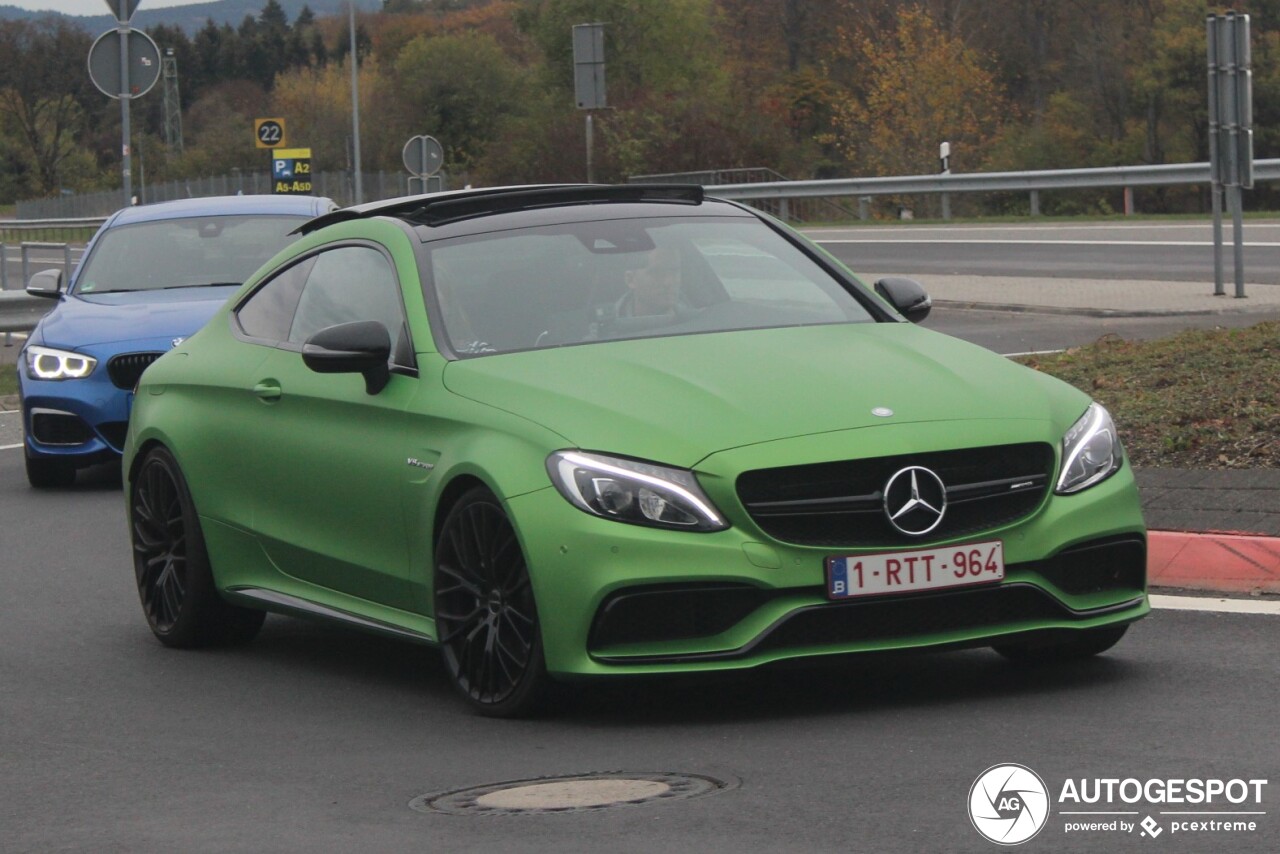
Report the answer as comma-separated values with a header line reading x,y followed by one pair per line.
x,y
586,431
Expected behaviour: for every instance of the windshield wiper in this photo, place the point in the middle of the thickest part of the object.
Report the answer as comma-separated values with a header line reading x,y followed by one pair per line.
x,y
204,285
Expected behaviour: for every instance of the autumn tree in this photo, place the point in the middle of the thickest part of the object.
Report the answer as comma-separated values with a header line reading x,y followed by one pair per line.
x,y
922,87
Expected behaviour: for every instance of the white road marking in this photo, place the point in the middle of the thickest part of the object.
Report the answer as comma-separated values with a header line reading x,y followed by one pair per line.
x,y
915,229
1034,242
1032,353
1217,606
9,447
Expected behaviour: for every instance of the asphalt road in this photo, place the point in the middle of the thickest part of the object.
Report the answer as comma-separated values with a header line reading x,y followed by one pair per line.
x,y
1165,252
316,739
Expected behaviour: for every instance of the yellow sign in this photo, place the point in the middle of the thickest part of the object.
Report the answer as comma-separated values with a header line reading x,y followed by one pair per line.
x,y
268,133
291,171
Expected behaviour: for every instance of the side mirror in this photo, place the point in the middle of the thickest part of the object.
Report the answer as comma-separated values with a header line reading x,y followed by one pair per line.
x,y
46,283
363,347
906,295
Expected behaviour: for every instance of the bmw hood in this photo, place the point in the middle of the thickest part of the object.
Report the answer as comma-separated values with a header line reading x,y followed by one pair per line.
x,y
677,400
83,320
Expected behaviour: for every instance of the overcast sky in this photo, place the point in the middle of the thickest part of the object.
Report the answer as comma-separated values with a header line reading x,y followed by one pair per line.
x,y
90,7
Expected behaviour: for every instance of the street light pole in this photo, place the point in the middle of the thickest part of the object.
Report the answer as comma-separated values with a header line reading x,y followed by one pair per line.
x,y
358,187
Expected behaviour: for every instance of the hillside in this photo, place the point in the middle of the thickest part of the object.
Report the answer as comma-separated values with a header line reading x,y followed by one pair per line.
x,y
192,18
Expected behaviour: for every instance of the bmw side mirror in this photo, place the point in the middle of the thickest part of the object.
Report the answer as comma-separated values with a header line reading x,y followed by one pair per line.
x,y
46,283
363,347
906,295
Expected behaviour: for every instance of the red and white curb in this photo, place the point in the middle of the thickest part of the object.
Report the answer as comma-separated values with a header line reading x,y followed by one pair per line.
x,y
1221,563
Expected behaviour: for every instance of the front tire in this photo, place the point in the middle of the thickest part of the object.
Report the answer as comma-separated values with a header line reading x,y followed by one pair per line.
x,y
1089,643
486,618
49,472
175,582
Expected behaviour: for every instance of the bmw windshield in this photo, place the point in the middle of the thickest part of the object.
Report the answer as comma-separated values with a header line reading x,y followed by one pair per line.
x,y
577,283
183,253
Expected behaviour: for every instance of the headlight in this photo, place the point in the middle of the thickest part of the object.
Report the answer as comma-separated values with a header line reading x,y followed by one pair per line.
x,y
635,492
45,363
1090,451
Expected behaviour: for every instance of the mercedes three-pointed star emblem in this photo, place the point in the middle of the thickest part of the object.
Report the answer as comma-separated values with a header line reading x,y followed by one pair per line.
x,y
915,500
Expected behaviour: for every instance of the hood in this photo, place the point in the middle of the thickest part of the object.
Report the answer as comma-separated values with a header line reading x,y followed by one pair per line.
x,y
677,400
83,320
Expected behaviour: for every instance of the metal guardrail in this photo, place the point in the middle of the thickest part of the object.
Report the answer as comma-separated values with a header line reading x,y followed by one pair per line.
x,y
1177,174
28,225
20,312
333,184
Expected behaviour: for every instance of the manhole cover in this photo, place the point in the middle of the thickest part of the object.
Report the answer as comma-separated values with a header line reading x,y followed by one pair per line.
x,y
575,793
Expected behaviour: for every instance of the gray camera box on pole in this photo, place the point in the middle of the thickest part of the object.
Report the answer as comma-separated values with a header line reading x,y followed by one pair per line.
x,y
588,66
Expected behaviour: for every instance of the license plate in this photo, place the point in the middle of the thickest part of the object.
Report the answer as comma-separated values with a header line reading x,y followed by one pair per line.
x,y
923,569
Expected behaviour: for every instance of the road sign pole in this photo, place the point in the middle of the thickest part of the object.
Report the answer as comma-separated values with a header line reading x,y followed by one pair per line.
x,y
126,148
591,172
1216,170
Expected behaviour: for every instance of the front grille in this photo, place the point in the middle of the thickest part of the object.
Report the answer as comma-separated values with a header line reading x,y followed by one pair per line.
x,y
1118,563
913,616
1016,606
673,612
59,428
842,503
127,368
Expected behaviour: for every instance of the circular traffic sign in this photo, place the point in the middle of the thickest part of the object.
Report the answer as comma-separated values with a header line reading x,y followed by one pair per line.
x,y
270,133
143,63
423,156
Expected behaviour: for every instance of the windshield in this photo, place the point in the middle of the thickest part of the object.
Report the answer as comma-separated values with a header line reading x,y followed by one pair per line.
x,y
184,253
580,283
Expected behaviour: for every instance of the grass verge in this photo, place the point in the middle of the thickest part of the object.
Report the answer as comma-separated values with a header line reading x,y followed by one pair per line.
x,y
8,380
1198,399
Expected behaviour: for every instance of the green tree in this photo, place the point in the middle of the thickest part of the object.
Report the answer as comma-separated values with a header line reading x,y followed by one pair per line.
x,y
45,99
459,89
676,50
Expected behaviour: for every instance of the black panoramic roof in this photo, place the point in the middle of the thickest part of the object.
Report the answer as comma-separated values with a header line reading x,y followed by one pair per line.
x,y
440,208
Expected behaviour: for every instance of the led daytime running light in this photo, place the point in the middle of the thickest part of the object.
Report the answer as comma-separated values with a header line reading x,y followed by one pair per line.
x,y
46,363
567,462
1095,422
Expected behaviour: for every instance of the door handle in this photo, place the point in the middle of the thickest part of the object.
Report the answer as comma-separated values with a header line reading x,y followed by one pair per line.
x,y
267,390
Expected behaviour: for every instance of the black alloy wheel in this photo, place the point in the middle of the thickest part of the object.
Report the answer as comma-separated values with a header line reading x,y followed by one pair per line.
x,y
1087,643
50,472
175,582
486,619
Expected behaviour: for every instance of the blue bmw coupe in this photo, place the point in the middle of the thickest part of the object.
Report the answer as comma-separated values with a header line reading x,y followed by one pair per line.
x,y
151,276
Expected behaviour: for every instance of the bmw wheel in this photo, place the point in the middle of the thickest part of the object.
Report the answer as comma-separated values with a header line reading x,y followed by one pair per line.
x,y
486,619
49,472
175,582
1088,643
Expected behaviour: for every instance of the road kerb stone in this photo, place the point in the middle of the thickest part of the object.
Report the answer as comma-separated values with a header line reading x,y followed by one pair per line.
x,y
1221,562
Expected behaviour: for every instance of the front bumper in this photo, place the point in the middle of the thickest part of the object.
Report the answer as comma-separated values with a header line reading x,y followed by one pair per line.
x,y
616,598
84,421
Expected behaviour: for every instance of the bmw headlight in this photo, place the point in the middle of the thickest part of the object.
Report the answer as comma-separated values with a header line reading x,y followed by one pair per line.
x,y
1090,451
46,363
632,491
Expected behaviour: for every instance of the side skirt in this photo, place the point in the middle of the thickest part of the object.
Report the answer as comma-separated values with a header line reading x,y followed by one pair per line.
x,y
283,603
